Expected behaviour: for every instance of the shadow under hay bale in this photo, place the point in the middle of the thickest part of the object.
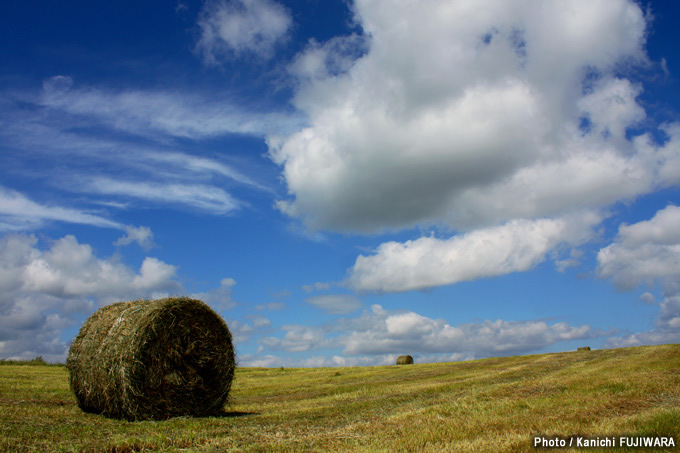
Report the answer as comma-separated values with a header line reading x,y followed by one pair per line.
x,y
154,360
404,360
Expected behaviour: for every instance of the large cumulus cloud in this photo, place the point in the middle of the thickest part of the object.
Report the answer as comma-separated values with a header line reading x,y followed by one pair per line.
x,y
471,115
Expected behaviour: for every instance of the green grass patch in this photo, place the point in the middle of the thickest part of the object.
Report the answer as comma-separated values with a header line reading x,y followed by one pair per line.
x,y
484,405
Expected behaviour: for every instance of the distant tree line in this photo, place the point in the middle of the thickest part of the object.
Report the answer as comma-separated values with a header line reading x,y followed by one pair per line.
x,y
38,361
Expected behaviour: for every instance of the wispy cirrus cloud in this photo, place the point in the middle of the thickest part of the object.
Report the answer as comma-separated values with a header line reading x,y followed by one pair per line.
x,y
179,163
61,128
157,113
206,198
19,213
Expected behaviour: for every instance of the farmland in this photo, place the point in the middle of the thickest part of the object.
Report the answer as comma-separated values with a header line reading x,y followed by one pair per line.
x,y
495,404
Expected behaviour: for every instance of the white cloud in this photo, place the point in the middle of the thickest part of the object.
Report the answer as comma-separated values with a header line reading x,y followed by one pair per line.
x,y
666,328
298,338
240,331
154,171
273,361
318,286
42,292
497,120
426,262
244,332
648,252
408,324
382,331
27,331
647,298
661,229
268,361
47,128
611,107
644,252
141,235
320,61
378,335
669,154
195,166
271,306
260,322
207,198
335,304
573,260
153,113
70,269
220,298
469,107
235,28
282,294
57,84
17,212
582,178
155,274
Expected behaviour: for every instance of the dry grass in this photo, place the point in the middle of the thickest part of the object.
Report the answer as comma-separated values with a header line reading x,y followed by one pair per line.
x,y
483,405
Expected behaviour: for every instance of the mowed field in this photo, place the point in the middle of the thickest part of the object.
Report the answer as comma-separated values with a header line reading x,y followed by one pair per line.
x,y
494,404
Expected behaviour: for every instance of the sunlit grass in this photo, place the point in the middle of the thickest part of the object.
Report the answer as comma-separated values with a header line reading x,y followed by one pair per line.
x,y
484,405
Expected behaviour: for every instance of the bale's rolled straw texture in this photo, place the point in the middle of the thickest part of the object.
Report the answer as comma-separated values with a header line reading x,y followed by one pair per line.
x,y
404,360
153,360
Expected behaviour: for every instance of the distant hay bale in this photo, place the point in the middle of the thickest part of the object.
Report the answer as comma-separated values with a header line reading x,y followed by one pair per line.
x,y
154,360
585,348
404,360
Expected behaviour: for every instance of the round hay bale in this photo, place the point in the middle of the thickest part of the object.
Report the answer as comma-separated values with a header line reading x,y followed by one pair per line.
x,y
404,360
152,360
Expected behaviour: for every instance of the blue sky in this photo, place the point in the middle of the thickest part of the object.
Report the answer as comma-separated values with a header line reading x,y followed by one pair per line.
x,y
344,181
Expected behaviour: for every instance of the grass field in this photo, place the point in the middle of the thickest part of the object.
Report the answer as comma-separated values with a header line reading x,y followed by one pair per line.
x,y
484,405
